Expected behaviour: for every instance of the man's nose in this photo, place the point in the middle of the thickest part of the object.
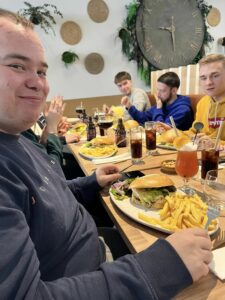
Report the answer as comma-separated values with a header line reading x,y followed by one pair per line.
x,y
34,81
208,81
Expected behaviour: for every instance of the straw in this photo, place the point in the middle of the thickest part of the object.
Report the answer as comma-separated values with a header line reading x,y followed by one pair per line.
x,y
218,135
174,125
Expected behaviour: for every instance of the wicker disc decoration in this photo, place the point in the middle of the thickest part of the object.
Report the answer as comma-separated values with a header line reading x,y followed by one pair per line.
x,y
71,32
94,63
214,17
98,10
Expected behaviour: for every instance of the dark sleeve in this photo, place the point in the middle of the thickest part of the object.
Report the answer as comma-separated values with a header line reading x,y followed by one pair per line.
x,y
182,115
54,148
84,189
156,273
140,116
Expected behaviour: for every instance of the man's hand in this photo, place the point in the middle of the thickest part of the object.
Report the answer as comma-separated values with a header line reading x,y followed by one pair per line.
x,y
72,138
158,102
126,102
194,247
162,127
54,114
107,174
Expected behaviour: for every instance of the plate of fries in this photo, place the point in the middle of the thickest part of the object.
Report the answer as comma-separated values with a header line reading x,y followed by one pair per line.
x,y
179,211
99,147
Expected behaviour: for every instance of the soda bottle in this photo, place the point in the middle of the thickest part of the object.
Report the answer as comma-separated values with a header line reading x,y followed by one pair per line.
x,y
120,135
91,130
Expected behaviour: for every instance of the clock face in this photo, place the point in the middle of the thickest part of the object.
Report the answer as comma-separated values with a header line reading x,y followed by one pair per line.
x,y
170,33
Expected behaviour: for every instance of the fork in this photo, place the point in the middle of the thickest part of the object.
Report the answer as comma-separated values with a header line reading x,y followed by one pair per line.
x,y
213,212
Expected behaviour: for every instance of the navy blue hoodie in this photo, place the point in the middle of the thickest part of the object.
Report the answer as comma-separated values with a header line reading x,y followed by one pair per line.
x,y
180,110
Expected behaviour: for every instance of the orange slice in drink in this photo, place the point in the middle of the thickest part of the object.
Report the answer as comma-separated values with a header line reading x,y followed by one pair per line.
x,y
180,141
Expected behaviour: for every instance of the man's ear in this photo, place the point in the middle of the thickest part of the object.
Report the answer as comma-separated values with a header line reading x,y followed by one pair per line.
x,y
174,90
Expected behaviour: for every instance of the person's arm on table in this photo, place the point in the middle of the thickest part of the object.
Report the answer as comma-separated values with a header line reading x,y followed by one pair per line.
x,y
156,273
85,188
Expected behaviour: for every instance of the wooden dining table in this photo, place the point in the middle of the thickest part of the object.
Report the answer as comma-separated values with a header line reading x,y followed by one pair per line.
x,y
138,237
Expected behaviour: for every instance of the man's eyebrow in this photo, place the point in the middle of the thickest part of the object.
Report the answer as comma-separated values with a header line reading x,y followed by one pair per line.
x,y
24,58
213,73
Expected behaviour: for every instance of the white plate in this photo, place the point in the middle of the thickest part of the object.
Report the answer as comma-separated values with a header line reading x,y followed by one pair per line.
x,y
164,146
73,120
132,210
97,157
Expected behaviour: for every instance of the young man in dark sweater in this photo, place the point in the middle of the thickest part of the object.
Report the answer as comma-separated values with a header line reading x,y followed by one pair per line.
x,y
168,103
49,244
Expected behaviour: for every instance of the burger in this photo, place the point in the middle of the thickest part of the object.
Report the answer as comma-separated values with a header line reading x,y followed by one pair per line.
x,y
151,190
79,128
168,136
130,124
102,141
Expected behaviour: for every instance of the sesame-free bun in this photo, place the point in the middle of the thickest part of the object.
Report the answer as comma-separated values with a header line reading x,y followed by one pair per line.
x,y
168,136
151,181
103,140
130,124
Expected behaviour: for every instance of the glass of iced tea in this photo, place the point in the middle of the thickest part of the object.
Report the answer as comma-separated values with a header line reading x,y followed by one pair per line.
x,y
187,165
209,161
150,136
136,144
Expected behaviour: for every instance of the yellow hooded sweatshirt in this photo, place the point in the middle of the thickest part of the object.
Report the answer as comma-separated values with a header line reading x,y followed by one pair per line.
x,y
210,113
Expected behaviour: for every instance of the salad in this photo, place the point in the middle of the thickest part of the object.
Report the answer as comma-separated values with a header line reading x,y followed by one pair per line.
x,y
120,189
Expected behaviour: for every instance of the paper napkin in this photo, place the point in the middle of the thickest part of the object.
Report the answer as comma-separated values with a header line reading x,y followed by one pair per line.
x,y
112,159
217,265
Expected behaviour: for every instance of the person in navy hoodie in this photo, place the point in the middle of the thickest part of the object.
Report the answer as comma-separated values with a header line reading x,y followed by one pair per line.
x,y
168,103
50,247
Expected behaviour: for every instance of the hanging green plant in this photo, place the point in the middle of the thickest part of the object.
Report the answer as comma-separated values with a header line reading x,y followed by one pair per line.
x,y
41,15
131,49
69,57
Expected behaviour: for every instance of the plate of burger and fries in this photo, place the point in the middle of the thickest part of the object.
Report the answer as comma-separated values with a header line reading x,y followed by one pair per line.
x,y
99,147
153,200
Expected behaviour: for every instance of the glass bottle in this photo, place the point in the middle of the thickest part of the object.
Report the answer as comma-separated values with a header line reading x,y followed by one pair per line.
x,y
120,135
91,130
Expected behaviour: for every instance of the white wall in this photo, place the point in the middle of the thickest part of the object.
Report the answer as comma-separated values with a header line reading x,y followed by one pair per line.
x,y
75,81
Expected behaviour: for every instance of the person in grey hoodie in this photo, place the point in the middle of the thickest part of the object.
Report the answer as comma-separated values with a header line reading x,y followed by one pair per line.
x,y
49,243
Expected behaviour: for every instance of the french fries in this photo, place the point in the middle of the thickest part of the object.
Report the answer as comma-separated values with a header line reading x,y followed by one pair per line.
x,y
181,211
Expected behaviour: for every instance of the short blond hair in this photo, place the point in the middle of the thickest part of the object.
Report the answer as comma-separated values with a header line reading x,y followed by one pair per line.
x,y
211,58
16,18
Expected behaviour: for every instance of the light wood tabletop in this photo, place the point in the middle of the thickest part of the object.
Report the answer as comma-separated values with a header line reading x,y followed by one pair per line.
x,y
138,237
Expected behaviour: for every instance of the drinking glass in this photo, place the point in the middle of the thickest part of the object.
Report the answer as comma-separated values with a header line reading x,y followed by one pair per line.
x,y
104,122
150,136
209,161
187,167
80,110
136,145
214,189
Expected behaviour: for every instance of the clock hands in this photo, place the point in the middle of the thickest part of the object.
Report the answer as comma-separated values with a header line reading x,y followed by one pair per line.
x,y
171,29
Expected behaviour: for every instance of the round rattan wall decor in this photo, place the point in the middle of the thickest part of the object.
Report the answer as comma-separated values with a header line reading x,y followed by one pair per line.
x,y
214,17
71,33
94,63
98,10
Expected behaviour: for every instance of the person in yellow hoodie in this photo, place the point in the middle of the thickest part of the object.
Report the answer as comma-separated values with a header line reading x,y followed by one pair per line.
x,y
211,108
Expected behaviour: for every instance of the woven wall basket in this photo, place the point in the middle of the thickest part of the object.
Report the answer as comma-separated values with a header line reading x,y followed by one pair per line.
x,y
214,17
71,33
98,10
94,63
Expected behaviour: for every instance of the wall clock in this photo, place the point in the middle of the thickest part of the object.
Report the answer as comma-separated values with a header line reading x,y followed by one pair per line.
x,y
170,33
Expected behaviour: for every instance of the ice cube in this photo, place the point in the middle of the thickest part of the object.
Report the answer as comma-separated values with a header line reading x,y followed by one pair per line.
x,y
189,147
